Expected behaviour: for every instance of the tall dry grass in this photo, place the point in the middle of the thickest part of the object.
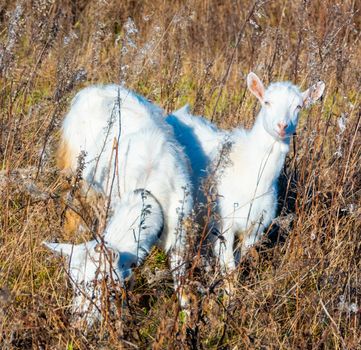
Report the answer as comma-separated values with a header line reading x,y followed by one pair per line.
x,y
301,287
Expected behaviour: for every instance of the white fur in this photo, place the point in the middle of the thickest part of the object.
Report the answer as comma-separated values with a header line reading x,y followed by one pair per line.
x,y
132,231
131,148
247,186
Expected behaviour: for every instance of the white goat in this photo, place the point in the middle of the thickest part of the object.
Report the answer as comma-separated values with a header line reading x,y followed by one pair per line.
x,y
133,159
247,188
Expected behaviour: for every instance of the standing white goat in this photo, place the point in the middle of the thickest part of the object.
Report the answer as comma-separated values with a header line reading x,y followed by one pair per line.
x,y
132,158
247,187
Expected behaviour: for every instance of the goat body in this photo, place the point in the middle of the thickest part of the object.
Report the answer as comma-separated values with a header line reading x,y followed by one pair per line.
x,y
130,156
247,184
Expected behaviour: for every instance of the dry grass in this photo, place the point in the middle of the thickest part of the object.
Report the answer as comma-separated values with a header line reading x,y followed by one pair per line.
x,y
299,289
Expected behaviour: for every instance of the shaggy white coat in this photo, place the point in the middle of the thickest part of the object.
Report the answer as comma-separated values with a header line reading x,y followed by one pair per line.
x,y
127,149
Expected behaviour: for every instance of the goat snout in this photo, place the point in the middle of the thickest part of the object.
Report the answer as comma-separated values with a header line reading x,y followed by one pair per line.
x,y
282,128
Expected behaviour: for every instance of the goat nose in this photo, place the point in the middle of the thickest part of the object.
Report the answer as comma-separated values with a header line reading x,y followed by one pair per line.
x,y
282,125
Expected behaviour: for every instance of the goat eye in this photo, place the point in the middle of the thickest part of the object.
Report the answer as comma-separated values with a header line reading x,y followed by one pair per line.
x,y
298,107
267,103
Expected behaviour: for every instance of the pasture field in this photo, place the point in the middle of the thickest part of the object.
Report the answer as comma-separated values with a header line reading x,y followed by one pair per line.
x,y
300,287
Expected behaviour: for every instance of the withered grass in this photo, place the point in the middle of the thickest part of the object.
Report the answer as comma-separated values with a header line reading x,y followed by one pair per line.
x,y
300,288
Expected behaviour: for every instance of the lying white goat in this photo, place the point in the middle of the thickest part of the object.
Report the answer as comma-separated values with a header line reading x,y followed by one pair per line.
x,y
247,187
133,159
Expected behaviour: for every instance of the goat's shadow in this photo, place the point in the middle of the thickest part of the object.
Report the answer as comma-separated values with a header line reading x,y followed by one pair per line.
x,y
192,147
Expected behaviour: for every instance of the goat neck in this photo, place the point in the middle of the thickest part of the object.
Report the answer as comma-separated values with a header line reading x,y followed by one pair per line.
x,y
265,153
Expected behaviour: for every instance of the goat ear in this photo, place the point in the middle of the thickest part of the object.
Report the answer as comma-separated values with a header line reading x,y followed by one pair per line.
x,y
61,248
312,94
255,85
